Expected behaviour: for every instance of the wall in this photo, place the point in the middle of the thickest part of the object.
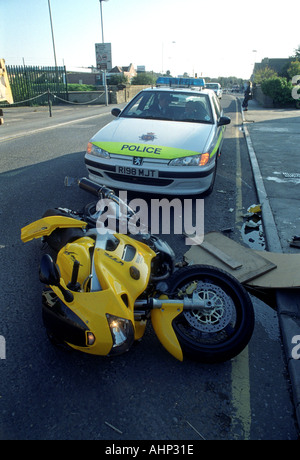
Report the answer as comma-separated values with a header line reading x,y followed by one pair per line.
x,y
118,96
261,98
82,77
84,97
115,95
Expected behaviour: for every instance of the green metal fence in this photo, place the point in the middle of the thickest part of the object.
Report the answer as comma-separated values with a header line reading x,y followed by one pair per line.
x,y
32,85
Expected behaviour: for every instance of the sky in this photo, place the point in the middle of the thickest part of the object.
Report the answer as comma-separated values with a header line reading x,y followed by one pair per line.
x,y
216,38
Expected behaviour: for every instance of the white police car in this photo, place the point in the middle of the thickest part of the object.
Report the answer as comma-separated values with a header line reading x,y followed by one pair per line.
x,y
166,140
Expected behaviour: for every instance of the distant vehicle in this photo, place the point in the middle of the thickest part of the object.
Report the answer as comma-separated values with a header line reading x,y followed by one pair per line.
x,y
235,89
166,140
216,87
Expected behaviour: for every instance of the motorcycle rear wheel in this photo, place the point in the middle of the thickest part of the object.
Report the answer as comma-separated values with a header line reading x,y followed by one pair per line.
x,y
223,329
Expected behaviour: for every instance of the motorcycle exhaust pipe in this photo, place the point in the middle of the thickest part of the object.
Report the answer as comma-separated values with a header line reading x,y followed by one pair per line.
x,y
95,189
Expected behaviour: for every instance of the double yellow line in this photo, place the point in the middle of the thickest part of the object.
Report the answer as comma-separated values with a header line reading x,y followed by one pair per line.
x,y
240,374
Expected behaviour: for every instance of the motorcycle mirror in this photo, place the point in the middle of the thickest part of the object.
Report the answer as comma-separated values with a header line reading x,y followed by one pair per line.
x,y
49,272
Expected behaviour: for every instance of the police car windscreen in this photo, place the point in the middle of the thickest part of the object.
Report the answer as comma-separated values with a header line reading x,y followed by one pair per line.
x,y
172,106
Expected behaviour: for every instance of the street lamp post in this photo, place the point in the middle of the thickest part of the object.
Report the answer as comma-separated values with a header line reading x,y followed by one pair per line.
x,y
52,33
162,54
104,74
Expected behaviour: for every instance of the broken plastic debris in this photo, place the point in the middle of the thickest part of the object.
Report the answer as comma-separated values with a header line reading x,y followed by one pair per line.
x,y
295,242
69,181
252,229
252,223
254,208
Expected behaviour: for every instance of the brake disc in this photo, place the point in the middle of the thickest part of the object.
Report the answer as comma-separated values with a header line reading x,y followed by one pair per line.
x,y
217,311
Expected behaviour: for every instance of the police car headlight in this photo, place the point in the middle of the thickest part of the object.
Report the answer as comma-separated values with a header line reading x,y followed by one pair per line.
x,y
195,160
97,151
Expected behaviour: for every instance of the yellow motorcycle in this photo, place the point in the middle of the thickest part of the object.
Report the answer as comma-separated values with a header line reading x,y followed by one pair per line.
x,y
100,289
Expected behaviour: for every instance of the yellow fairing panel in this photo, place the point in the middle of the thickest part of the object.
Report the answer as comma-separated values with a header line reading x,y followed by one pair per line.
x,y
122,281
162,323
92,307
128,277
77,250
47,225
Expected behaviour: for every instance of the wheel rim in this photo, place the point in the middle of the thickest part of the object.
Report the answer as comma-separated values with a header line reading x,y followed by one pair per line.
x,y
218,310
212,325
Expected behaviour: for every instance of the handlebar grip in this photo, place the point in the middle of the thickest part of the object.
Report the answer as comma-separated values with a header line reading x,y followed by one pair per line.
x,y
75,272
94,188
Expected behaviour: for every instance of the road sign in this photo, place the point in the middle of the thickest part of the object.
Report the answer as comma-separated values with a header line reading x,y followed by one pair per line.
x,y
103,56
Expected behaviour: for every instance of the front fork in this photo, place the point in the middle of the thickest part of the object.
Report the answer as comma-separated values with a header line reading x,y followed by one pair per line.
x,y
163,312
186,303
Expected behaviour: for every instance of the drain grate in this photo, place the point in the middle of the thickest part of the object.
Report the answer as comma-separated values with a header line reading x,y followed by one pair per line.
x,y
291,175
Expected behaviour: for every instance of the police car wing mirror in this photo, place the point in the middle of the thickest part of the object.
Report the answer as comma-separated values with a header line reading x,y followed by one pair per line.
x,y
115,112
224,121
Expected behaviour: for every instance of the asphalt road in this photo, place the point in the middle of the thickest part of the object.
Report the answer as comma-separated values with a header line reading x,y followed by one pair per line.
x,y
46,393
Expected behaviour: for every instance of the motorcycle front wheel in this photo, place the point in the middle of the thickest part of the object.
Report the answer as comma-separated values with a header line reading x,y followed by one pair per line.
x,y
223,327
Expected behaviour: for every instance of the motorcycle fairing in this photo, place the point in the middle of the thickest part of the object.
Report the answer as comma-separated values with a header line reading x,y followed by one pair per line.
x,y
123,276
92,308
123,273
46,225
76,250
161,319
61,322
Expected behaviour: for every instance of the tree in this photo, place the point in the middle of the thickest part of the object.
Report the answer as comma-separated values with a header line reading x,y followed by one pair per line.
x,y
117,79
144,78
297,53
279,89
264,74
294,69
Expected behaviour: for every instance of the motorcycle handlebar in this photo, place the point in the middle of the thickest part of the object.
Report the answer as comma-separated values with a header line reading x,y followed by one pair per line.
x,y
95,189
102,191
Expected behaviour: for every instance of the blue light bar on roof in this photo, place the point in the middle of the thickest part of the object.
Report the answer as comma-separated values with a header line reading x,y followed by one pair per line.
x,y
183,82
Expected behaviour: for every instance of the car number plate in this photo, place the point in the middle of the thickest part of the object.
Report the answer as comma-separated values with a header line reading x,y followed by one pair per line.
x,y
136,172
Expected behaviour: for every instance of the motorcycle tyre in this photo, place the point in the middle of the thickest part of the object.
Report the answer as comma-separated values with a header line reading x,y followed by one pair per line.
x,y
231,347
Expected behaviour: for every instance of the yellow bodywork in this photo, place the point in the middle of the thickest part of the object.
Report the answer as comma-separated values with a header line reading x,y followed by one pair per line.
x,y
47,225
122,282
161,319
119,290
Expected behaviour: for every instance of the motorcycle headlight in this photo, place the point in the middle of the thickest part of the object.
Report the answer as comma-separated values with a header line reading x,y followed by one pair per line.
x,y
97,151
195,160
122,334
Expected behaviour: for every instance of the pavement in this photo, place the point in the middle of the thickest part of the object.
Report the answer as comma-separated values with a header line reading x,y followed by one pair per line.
x,y
273,140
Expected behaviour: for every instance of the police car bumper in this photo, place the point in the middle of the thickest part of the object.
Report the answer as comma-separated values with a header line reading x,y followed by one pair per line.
x,y
151,176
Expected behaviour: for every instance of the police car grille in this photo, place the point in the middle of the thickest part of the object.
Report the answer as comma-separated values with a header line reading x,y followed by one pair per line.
x,y
140,180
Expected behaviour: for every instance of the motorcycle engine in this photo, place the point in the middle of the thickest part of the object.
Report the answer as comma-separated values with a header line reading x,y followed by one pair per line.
x,y
164,262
